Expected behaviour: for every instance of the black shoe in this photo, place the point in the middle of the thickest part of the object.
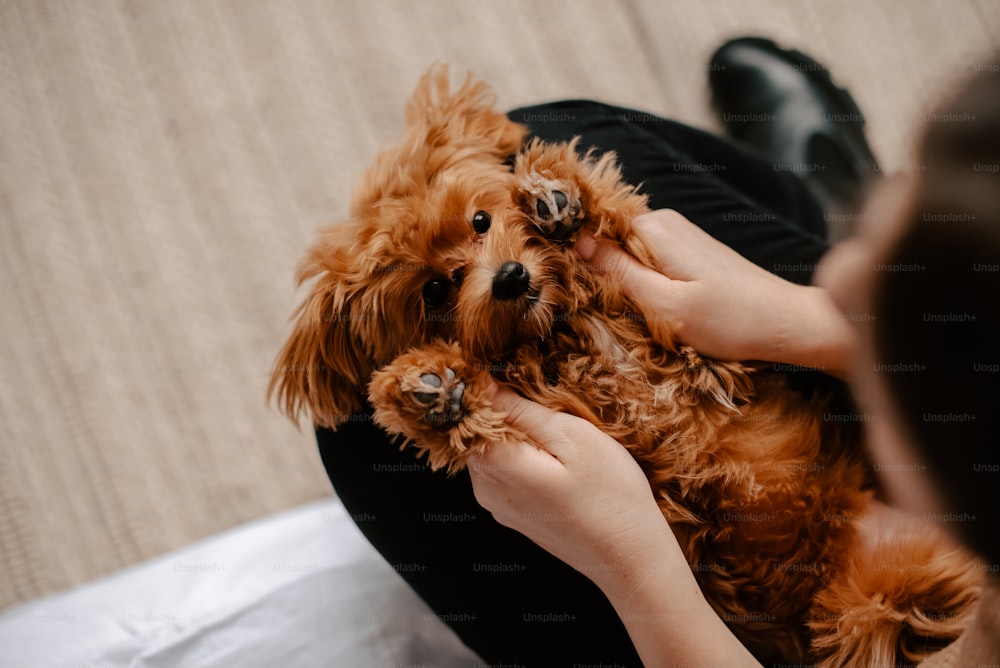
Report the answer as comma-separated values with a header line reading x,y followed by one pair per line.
x,y
784,104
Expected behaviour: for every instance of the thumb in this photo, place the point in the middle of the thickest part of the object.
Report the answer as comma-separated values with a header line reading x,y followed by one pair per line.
x,y
543,426
639,281
653,292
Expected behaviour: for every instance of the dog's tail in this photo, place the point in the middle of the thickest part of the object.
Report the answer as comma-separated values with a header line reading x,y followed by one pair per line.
x,y
909,599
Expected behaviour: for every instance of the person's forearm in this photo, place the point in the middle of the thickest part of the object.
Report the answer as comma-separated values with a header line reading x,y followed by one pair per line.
x,y
670,622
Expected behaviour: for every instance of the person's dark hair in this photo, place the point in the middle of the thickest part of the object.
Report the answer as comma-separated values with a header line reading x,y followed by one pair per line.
x,y
937,307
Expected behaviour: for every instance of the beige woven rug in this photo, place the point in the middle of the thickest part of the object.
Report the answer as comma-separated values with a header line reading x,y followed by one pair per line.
x,y
163,165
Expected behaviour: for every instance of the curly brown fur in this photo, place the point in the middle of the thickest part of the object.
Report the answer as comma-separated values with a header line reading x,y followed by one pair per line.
x,y
416,302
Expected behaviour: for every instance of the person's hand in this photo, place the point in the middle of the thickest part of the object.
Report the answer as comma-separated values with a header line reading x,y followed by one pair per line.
x,y
574,491
578,494
718,302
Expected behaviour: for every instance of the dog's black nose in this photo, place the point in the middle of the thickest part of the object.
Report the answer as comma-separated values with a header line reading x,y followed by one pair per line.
x,y
511,281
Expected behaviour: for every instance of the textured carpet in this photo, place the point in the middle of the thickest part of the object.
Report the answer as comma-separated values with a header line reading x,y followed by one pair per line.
x,y
164,164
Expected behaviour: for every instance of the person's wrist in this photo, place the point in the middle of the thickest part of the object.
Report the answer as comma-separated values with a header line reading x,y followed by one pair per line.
x,y
815,334
649,546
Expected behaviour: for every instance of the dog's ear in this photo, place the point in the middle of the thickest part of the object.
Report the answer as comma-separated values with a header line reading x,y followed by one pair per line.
x,y
443,129
465,118
321,370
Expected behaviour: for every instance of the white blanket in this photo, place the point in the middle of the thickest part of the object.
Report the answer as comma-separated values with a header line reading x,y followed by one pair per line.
x,y
302,588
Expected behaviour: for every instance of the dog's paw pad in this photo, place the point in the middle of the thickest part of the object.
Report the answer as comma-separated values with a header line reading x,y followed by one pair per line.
x,y
441,397
544,211
556,214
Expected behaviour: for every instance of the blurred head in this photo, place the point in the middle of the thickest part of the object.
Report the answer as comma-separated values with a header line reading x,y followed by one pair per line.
x,y
922,283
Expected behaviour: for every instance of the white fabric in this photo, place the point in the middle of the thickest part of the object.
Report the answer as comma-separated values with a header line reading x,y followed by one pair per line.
x,y
299,589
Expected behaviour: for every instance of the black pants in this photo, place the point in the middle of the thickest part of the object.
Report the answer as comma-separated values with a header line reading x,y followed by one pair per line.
x,y
507,599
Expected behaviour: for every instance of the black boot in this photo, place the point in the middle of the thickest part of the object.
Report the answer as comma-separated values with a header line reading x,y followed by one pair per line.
x,y
784,105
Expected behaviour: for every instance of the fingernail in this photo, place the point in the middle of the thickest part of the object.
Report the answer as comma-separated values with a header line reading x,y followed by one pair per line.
x,y
586,245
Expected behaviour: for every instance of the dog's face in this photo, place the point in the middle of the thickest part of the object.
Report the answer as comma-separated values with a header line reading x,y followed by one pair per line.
x,y
457,260
438,247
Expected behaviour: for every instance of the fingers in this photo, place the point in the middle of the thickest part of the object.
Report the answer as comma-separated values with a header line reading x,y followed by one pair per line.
x,y
507,472
523,464
517,459
678,248
660,298
638,281
556,437
545,426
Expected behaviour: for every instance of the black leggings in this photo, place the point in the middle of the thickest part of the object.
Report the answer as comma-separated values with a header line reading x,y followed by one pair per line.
x,y
509,600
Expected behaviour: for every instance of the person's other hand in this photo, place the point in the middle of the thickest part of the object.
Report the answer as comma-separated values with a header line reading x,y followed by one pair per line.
x,y
578,494
718,302
574,491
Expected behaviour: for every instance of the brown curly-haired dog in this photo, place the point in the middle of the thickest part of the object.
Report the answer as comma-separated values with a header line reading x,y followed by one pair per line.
x,y
455,268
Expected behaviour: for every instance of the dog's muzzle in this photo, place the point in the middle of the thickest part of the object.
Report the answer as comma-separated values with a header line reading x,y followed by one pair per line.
x,y
511,281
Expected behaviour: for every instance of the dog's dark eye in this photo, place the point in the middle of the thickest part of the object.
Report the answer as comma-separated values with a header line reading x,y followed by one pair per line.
x,y
481,222
435,292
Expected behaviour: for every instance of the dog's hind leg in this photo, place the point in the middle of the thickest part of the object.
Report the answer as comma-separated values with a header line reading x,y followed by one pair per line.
x,y
440,402
907,597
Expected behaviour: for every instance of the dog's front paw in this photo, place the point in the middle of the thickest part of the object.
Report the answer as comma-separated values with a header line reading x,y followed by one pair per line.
x,y
422,391
554,206
440,403
441,397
